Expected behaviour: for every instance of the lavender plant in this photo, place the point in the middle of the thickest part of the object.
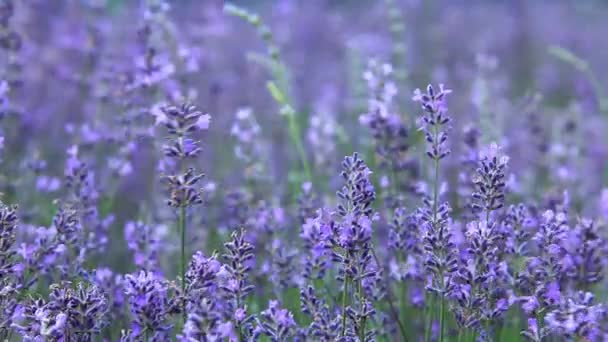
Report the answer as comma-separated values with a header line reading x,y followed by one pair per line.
x,y
440,258
294,243
181,123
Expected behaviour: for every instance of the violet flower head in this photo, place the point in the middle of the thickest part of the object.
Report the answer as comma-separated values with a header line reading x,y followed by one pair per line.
x,y
277,323
353,233
440,259
315,233
201,276
543,273
149,304
388,130
489,181
183,189
480,291
205,310
550,239
324,325
111,284
181,123
359,316
404,244
85,308
282,272
586,245
518,222
246,131
238,262
358,193
71,313
307,202
435,120
203,322
8,227
576,317
9,266
69,241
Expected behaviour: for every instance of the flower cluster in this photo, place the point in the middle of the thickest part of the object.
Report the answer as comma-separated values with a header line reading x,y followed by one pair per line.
x,y
150,306
181,122
71,313
327,216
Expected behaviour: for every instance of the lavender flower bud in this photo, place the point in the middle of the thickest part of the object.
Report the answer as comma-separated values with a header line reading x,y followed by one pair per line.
x,y
184,192
323,326
277,323
149,304
434,120
490,181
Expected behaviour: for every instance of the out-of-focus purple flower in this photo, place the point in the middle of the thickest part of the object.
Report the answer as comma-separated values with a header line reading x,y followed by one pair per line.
x,y
111,285
518,228
576,317
8,227
84,196
585,245
307,203
144,243
315,234
9,267
389,132
404,240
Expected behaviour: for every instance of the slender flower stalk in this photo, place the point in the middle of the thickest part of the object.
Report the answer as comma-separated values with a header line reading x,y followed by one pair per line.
x,y
182,123
278,87
350,238
440,261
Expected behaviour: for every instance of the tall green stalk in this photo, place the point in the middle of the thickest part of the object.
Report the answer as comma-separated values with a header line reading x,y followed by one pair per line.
x,y
428,319
583,67
435,211
182,229
278,87
344,298
441,318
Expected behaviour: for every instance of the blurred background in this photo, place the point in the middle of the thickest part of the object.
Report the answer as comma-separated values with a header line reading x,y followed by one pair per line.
x,y
531,73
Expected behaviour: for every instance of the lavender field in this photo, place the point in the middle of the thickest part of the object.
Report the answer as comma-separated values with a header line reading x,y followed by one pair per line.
x,y
303,170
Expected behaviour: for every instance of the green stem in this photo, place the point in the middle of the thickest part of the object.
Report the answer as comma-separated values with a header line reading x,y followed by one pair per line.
x,y
294,132
429,317
361,302
344,298
182,228
441,318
